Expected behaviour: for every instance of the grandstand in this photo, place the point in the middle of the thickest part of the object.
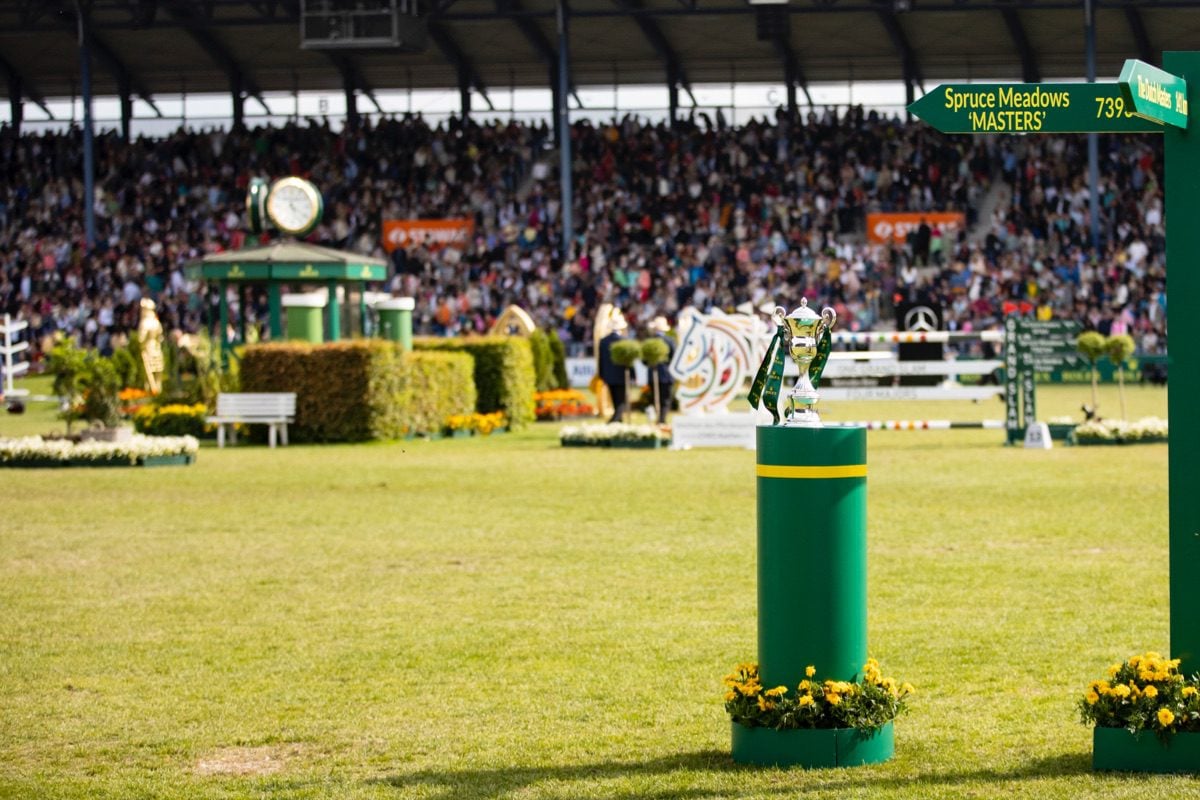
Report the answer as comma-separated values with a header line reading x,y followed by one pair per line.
x,y
689,210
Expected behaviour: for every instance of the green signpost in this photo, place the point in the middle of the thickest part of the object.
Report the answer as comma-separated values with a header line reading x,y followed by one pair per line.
x,y
1153,94
1148,100
1030,108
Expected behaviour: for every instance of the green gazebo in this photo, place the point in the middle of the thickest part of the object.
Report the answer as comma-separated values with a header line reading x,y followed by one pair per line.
x,y
290,263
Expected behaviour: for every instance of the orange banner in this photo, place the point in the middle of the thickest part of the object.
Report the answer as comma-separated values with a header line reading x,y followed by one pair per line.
x,y
882,227
434,233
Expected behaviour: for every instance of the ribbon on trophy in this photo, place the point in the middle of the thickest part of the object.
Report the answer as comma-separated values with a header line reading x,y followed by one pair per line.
x,y
824,345
770,374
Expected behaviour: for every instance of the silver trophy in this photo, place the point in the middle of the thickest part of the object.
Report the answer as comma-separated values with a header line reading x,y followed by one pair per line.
x,y
807,330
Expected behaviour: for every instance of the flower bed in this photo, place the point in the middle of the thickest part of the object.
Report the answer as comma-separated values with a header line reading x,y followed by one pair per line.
x,y
561,404
34,451
1145,431
614,434
459,425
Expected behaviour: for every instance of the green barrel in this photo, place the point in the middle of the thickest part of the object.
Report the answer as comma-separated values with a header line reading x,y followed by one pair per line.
x,y
395,320
304,319
812,553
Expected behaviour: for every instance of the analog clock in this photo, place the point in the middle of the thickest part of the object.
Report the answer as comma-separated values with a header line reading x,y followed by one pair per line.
x,y
294,205
256,201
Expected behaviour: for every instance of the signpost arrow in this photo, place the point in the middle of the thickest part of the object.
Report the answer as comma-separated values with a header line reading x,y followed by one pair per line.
x,y
1153,94
1030,108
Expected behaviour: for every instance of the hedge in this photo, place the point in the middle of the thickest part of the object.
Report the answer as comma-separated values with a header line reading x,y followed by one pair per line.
x,y
360,390
504,374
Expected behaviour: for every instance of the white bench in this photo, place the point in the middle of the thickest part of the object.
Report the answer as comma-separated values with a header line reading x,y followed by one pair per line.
x,y
273,409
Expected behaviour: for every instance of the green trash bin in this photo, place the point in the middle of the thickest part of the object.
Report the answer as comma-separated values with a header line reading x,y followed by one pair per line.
x,y
395,320
304,317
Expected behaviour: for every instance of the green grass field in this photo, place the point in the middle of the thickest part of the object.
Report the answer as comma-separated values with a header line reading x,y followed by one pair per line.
x,y
505,618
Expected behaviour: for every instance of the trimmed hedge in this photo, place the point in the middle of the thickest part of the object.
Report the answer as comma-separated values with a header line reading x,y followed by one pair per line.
x,y
504,374
360,390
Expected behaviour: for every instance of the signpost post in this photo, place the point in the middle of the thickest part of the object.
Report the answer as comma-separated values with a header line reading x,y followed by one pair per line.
x,y
1145,100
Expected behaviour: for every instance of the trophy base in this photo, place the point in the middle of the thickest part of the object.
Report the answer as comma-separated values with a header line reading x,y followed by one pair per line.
x,y
806,418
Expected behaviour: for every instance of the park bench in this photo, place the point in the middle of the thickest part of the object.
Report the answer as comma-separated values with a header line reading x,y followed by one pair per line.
x,y
273,409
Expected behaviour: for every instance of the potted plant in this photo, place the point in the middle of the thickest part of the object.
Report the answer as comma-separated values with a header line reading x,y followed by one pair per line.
x,y
1119,348
654,352
1091,345
818,723
625,353
1146,716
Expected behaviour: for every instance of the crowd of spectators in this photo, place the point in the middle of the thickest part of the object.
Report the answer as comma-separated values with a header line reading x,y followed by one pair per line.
x,y
700,213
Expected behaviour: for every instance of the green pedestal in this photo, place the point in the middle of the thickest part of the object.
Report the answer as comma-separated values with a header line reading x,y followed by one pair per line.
x,y
812,553
395,320
1118,749
304,323
812,587
814,748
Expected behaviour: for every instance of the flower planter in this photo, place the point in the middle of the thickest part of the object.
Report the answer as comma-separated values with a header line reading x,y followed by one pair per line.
x,y
180,459
36,463
812,748
1118,749
637,444
102,462
1146,440
1062,432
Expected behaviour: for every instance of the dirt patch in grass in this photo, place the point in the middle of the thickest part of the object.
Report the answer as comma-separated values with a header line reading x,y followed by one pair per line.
x,y
262,760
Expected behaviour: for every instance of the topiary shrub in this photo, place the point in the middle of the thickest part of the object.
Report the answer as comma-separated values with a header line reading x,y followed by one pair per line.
x,y
355,391
1091,345
504,373
558,351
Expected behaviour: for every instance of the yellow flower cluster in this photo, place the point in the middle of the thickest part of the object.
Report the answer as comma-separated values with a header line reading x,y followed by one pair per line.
x,y
871,702
1145,692
479,423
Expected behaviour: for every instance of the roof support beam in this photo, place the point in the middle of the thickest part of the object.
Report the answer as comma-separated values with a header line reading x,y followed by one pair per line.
x,y
1137,27
15,76
537,40
1029,66
116,67
908,58
654,35
199,29
459,60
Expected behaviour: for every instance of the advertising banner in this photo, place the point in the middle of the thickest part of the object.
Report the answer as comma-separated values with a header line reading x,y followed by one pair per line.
x,y
881,227
434,233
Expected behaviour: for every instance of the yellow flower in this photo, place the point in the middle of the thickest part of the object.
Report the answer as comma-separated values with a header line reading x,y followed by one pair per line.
x,y
806,700
810,670
1121,690
763,705
1189,691
1150,692
778,691
1165,717
1092,698
1113,670
730,696
907,688
834,698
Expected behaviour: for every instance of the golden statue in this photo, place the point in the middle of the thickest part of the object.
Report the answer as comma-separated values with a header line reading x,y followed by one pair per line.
x,y
150,335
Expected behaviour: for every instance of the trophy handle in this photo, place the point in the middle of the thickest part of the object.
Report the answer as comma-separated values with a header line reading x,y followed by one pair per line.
x,y
778,314
829,317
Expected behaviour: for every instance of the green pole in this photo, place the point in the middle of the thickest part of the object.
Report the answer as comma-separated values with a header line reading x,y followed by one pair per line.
x,y
223,320
1182,199
275,311
395,320
362,308
241,290
335,314
812,553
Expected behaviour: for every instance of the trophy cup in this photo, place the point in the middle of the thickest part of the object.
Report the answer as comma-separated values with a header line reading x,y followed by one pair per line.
x,y
809,331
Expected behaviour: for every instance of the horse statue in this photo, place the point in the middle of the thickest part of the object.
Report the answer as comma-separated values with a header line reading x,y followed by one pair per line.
x,y
716,355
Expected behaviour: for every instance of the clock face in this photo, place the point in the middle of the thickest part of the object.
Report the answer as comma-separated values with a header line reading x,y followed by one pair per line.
x,y
294,205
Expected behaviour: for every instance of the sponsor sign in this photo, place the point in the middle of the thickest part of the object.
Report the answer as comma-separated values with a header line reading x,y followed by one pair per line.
x,y
882,227
734,429
436,234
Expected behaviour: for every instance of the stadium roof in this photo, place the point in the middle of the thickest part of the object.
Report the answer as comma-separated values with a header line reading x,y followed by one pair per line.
x,y
151,47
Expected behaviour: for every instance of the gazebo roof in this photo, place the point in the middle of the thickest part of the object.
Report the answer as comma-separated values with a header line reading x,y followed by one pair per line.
x,y
290,261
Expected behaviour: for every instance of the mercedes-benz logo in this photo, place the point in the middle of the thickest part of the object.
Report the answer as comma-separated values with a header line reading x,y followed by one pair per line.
x,y
921,318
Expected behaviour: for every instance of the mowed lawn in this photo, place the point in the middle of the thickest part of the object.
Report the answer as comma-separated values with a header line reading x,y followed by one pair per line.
x,y
505,618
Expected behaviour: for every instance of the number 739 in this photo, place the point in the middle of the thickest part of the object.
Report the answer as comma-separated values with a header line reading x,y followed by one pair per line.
x,y
1111,107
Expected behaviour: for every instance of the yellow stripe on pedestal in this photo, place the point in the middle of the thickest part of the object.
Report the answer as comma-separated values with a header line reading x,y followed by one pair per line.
x,y
843,471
